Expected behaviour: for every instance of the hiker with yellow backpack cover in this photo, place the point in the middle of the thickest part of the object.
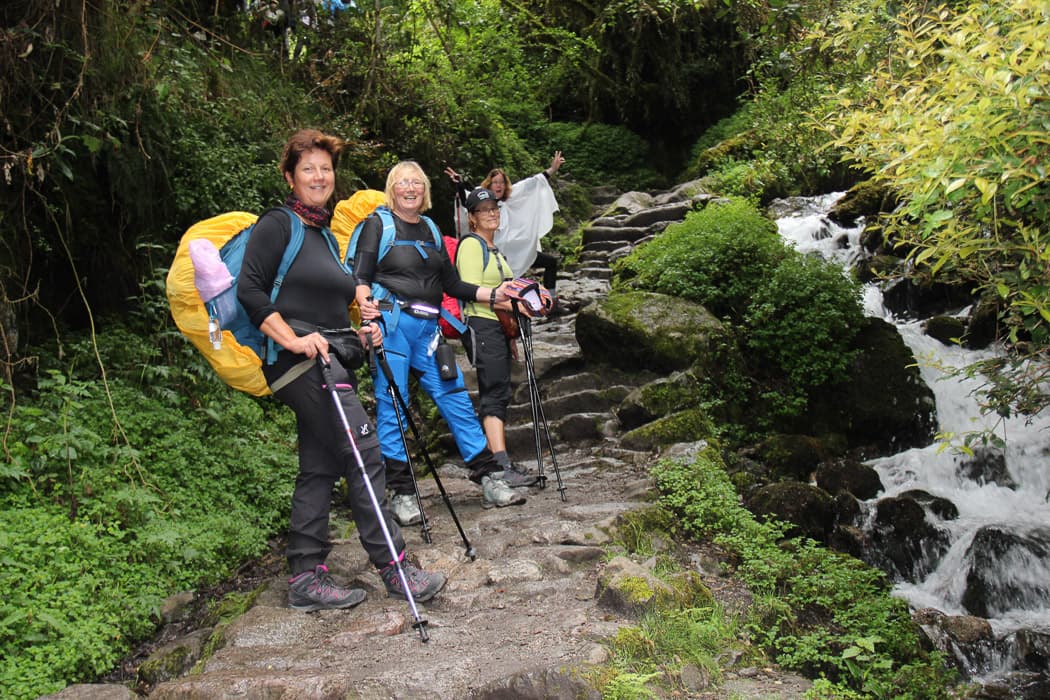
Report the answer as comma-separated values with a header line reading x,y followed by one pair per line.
x,y
295,288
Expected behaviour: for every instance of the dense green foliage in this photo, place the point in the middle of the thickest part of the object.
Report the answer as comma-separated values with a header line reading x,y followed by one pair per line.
x,y
115,494
955,119
795,315
946,107
819,612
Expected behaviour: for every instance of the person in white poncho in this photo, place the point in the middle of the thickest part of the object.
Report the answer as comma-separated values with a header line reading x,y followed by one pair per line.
x,y
526,215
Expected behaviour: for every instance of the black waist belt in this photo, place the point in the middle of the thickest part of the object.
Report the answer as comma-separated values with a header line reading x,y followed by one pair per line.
x,y
416,309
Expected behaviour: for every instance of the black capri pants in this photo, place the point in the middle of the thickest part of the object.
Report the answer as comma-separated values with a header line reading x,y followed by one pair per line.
x,y
488,349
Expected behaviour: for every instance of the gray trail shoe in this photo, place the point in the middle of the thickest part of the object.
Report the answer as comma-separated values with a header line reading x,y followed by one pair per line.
x,y
315,590
423,585
497,493
405,509
515,477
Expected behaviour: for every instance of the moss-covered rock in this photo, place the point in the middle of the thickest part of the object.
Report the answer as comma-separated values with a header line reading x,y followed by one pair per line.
x,y
684,426
851,476
658,398
885,406
808,508
789,456
629,588
946,329
175,658
647,331
863,199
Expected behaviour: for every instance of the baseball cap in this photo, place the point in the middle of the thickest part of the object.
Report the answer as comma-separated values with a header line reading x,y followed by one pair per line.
x,y
478,196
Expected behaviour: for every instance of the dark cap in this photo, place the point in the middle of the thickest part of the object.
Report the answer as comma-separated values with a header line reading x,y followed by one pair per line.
x,y
478,196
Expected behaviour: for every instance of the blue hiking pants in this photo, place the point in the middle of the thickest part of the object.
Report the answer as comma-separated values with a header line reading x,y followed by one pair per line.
x,y
407,342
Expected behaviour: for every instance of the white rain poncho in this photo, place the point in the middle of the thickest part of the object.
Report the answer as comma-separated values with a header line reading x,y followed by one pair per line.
x,y
525,217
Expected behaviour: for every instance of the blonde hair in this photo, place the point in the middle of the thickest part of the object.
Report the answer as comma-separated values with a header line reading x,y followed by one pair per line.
x,y
408,168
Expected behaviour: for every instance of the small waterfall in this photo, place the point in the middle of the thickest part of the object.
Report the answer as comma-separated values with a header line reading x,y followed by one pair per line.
x,y
996,564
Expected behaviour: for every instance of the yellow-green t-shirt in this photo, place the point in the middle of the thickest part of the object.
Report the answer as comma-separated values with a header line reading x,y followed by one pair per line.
x,y
469,257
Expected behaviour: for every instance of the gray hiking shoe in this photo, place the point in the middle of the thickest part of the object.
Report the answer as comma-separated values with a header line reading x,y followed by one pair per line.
x,y
516,477
423,586
497,493
315,590
405,509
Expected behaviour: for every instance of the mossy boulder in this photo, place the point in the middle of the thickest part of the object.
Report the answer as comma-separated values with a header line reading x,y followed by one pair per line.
x,y
174,658
635,330
786,456
885,406
629,588
851,476
810,510
659,398
683,426
946,329
864,199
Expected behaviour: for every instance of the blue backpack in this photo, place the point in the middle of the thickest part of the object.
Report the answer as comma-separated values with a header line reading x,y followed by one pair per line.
x,y
220,328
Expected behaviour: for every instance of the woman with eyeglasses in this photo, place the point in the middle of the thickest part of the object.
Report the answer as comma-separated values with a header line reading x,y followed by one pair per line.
x,y
479,261
315,293
402,286
526,215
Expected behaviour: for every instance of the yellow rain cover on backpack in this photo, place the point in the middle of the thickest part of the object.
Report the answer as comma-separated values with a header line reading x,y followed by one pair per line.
x,y
237,365
352,211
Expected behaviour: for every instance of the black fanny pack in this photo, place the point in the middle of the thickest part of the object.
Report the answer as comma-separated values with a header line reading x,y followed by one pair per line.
x,y
344,343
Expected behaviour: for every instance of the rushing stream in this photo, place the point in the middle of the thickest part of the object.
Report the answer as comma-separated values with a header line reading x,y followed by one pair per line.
x,y
1002,531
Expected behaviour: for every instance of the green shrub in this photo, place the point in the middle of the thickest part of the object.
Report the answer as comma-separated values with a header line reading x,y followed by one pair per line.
x,y
802,319
819,612
717,257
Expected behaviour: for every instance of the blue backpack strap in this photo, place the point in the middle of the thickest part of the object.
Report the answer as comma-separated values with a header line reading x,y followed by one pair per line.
x,y
295,244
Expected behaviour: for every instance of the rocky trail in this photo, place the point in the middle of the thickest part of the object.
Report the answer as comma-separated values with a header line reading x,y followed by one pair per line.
x,y
527,617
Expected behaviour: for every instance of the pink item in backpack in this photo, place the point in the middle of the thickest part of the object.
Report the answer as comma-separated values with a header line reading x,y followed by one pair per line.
x,y
210,275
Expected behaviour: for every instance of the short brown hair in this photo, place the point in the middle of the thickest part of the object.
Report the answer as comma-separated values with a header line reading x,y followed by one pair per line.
x,y
307,140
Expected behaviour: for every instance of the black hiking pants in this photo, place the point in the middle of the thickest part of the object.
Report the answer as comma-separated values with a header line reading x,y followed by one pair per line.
x,y
488,349
325,456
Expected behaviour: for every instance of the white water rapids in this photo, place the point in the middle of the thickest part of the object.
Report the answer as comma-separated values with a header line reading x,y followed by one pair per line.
x,y
934,468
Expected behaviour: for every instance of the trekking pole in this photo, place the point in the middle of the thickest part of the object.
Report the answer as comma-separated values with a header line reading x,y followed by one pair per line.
x,y
420,622
538,416
399,400
424,521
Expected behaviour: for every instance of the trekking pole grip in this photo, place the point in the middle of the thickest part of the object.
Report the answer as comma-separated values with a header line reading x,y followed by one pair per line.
x,y
326,371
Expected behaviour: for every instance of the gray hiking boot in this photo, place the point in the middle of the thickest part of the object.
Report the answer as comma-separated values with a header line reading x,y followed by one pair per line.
x,y
516,477
315,590
497,493
405,509
423,586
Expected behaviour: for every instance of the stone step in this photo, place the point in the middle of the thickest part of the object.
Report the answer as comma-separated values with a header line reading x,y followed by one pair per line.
x,y
555,408
576,429
594,272
613,233
600,246
662,214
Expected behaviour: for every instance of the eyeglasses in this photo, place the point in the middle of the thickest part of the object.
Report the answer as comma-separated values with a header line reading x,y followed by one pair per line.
x,y
492,210
406,183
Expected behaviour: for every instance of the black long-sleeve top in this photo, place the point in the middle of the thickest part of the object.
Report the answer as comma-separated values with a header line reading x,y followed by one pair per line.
x,y
316,290
403,270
